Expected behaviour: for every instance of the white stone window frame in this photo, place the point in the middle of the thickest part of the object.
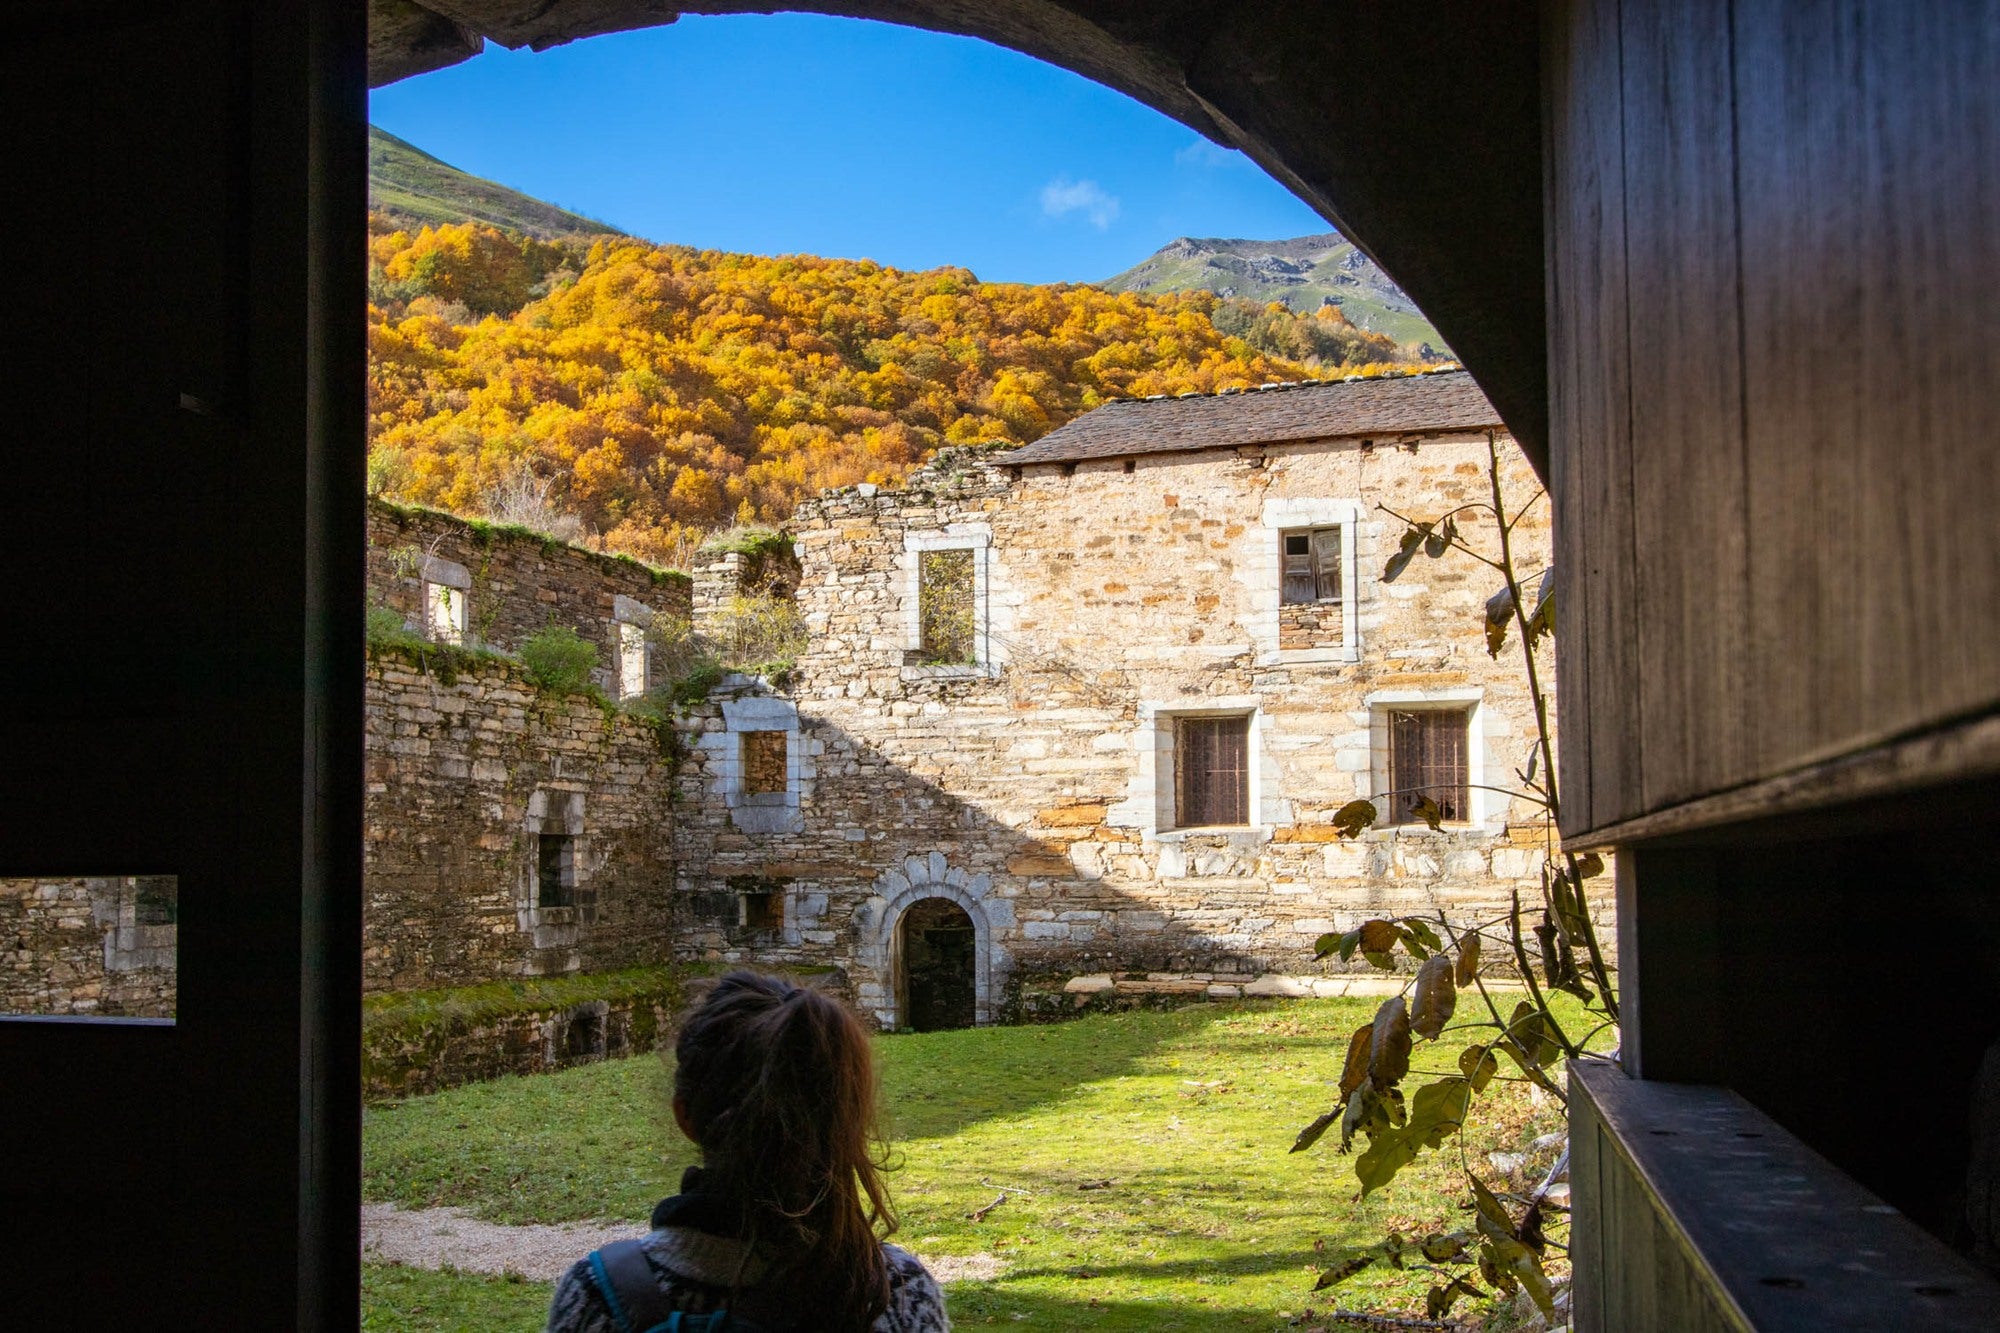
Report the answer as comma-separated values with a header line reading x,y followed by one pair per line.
x,y
1486,809
1149,803
447,592
760,812
1264,572
974,537
553,809
634,647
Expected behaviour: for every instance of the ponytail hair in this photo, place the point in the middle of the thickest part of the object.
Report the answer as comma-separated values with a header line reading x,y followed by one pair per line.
x,y
777,1083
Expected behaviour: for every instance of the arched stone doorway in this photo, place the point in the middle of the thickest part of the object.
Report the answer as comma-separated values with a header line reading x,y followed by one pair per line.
x,y
938,966
914,895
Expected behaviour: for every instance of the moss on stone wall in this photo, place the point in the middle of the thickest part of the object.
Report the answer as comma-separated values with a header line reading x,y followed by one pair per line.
x,y
419,1041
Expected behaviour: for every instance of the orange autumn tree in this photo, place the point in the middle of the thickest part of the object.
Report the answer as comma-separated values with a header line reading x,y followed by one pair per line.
x,y
672,391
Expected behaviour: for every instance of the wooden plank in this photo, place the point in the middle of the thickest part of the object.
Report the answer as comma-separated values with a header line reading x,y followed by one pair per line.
x,y
1871,248
1720,1219
1686,394
1590,455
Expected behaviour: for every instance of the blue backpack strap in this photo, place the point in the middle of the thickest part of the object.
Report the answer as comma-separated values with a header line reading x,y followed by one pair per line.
x,y
637,1304
631,1289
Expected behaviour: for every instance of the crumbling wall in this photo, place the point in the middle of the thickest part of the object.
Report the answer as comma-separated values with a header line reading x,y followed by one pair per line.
x,y
517,582
468,765
79,947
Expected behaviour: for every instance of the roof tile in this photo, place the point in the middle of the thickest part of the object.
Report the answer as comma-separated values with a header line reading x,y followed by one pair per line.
x,y
1267,414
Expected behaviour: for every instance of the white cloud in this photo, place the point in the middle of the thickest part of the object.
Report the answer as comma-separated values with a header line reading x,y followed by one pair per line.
x,y
1202,152
1209,155
1063,196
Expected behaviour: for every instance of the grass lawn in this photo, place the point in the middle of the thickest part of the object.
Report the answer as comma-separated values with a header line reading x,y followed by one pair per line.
x,y
1142,1155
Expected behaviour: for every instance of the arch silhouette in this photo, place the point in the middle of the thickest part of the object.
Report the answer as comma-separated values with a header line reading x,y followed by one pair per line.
x,y
1458,225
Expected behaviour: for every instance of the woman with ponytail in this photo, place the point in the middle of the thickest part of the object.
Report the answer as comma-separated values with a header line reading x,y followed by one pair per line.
x,y
778,1231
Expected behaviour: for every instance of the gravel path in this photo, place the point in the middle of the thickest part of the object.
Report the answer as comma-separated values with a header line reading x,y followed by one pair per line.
x,y
437,1237
441,1237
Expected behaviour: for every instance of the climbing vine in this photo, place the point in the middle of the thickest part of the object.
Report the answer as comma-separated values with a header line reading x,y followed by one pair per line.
x,y
1550,946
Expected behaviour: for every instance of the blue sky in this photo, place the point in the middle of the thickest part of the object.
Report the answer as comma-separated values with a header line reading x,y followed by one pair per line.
x,y
776,134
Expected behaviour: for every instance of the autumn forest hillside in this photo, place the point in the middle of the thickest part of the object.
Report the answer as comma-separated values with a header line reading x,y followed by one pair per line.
x,y
654,393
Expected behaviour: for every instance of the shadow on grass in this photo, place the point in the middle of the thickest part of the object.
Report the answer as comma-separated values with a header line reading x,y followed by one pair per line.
x,y
934,1086
999,1306
1234,1265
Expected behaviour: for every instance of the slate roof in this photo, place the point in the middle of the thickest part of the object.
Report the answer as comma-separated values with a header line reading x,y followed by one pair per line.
x,y
1390,406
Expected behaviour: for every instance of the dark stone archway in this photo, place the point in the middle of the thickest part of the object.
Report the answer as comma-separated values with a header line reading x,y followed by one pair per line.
x,y
1414,129
939,958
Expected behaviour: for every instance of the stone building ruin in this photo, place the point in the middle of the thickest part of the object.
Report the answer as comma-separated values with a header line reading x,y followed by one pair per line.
x,y
1071,721
1173,661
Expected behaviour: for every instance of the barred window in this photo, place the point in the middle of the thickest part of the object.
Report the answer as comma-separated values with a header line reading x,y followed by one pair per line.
x,y
1211,771
1311,558
1427,757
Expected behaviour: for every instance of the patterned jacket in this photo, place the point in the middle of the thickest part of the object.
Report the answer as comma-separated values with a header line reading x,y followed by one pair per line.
x,y
697,1260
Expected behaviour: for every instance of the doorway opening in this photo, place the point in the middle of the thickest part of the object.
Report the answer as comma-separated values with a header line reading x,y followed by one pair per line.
x,y
940,966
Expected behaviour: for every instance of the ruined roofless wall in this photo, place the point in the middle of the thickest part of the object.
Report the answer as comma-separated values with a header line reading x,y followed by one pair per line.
x,y
76,947
1037,789
467,768
520,582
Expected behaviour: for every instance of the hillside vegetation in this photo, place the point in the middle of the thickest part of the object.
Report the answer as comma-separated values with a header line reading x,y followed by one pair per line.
x,y
1302,273
413,189
655,393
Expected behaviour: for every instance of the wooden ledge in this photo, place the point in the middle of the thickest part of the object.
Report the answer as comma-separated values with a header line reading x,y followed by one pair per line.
x,y
1696,1211
1966,749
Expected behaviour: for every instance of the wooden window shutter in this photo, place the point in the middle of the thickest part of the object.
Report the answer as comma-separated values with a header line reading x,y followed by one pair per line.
x,y
1428,757
1326,564
1212,771
1296,548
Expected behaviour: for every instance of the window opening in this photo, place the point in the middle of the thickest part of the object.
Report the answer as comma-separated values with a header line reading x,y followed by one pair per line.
x,y
1428,757
945,601
583,1035
156,900
632,660
761,911
1311,566
556,870
765,758
444,613
1212,771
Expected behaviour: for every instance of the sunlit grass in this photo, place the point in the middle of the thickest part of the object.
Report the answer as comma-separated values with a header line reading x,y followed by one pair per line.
x,y
1142,1157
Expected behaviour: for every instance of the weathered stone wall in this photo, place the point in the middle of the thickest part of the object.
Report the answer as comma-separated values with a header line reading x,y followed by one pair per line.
x,y
519,582
467,766
1035,789
406,1062
77,947
721,575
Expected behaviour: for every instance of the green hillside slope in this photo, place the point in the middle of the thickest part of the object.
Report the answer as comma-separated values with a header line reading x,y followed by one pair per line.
x,y
1304,273
415,189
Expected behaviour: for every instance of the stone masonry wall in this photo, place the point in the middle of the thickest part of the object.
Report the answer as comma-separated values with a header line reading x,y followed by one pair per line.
x,y
1036,788
73,947
519,582
467,767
